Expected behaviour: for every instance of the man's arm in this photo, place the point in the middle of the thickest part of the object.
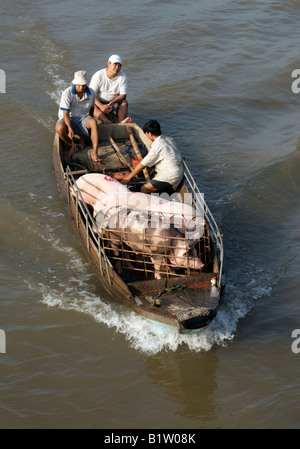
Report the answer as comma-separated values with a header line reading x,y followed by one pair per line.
x,y
109,107
99,104
134,172
95,85
118,99
67,121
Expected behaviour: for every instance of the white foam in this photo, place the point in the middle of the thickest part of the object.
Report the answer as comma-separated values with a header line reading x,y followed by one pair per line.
x,y
74,290
142,334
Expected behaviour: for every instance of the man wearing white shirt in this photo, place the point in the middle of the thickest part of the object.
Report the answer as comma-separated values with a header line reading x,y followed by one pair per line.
x,y
111,88
76,105
166,158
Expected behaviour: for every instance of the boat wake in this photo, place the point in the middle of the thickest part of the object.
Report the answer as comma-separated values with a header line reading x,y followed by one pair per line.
x,y
52,72
77,288
142,334
246,284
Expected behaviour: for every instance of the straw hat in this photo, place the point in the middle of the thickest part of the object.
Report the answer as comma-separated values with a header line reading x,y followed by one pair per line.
x,y
80,78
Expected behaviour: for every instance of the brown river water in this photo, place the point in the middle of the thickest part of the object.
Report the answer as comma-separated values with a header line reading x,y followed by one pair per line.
x,y
218,77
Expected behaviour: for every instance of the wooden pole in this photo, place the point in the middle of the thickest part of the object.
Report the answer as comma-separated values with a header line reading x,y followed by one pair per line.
x,y
122,158
137,151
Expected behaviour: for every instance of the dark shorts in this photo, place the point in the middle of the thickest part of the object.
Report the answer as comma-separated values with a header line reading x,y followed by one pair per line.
x,y
116,104
78,125
115,107
162,186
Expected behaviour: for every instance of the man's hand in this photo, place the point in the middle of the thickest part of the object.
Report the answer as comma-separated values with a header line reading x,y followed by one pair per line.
x,y
126,180
70,133
109,108
106,108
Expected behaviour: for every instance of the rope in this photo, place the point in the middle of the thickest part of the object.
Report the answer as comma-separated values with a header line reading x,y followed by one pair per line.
x,y
76,165
155,301
169,289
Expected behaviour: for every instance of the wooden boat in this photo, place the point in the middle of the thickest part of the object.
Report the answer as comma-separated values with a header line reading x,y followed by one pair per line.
x,y
183,300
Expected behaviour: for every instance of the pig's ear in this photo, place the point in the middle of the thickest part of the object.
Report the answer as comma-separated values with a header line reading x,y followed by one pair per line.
x,y
181,252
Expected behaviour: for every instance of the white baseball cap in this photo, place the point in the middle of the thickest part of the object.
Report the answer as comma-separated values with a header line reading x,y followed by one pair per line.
x,y
80,78
115,58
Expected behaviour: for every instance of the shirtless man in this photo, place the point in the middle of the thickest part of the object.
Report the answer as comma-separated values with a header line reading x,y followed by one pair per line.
x,y
166,158
77,102
111,88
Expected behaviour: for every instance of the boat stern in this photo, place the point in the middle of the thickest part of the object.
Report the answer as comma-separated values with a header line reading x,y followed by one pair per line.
x,y
195,319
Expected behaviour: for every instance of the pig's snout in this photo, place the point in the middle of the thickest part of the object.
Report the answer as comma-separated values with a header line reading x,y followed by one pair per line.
x,y
191,262
197,263
187,259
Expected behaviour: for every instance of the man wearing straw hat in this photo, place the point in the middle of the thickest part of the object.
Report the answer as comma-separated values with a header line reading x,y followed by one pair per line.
x,y
76,105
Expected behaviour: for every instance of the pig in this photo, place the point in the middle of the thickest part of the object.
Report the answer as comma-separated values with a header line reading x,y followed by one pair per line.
x,y
183,254
182,216
100,190
146,235
93,186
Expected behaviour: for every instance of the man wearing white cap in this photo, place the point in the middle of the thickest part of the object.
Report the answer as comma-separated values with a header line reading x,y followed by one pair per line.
x,y
111,88
76,105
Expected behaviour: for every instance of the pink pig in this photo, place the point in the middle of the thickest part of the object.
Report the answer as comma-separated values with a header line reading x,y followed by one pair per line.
x,y
146,236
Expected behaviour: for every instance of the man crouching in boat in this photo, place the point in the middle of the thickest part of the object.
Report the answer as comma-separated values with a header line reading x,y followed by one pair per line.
x,y
77,101
167,160
111,88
